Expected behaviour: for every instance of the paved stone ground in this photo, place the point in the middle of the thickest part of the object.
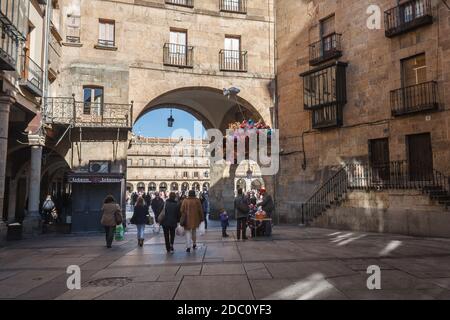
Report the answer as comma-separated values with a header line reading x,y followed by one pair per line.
x,y
297,263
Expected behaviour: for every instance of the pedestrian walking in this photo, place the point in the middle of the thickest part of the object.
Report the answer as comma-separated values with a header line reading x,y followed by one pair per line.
x,y
111,217
191,218
140,219
157,205
171,219
205,206
268,207
47,208
241,210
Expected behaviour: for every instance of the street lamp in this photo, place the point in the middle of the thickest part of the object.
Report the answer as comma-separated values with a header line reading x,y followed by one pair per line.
x,y
171,120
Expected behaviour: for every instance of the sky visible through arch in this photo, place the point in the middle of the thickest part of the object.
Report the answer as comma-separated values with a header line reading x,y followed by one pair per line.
x,y
154,125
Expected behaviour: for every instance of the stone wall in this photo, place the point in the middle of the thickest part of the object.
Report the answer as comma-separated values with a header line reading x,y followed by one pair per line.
x,y
401,212
374,63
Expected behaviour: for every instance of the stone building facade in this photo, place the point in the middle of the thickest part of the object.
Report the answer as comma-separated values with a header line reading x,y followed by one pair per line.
x,y
124,59
164,165
389,89
24,78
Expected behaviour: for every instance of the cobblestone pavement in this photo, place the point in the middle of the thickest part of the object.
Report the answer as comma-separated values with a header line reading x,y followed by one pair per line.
x,y
297,263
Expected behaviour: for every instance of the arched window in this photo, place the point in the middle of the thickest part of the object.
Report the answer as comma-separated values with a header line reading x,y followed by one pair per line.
x,y
185,186
152,187
141,187
174,186
163,187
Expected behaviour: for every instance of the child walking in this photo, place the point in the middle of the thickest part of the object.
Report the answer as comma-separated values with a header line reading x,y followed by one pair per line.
x,y
224,219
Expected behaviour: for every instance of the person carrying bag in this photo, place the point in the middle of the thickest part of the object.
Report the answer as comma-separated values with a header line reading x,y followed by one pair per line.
x,y
111,218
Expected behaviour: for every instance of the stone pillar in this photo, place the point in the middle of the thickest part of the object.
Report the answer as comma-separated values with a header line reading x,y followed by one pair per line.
x,y
5,105
33,218
12,200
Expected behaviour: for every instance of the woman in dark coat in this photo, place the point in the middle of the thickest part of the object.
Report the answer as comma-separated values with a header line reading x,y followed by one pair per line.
x,y
170,222
139,219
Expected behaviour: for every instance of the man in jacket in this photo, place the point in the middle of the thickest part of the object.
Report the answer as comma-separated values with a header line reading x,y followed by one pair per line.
x,y
157,205
191,218
241,210
205,205
171,218
268,206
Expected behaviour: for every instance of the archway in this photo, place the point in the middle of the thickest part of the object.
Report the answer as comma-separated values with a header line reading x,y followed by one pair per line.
x,y
163,187
215,111
174,187
141,187
241,184
152,187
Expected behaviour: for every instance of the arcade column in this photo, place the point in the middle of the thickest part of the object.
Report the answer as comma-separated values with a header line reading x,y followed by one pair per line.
x,y
6,101
33,218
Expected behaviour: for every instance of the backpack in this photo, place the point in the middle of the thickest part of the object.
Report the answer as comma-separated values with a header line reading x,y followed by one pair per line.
x,y
243,205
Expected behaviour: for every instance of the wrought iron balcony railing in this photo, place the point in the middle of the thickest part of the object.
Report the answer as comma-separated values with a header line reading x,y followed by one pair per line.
x,y
31,75
106,43
233,60
325,93
183,3
417,98
407,16
327,48
235,6
68,111
73,39
178,55
9,44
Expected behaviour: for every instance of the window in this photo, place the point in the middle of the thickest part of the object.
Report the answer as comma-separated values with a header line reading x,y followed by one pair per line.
x,y
141,162
206,174
196,175
93,100
232,49
73,29
106,33
414,70
130,162
327,29
152,162
163,163
185,175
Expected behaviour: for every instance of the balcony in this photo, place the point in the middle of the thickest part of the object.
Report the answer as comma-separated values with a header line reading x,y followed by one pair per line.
x,y
106,45
407,16
413,99
233,6
31,76
182,3
68,111
325,94
14,26
232,60
178,55
326,49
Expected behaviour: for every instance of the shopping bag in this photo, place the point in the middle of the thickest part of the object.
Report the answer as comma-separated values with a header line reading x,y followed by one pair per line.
x,y
180,231
156,228
201,228
120,233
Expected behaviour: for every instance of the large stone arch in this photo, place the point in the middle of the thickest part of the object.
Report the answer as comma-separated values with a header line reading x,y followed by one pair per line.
x,y
206,103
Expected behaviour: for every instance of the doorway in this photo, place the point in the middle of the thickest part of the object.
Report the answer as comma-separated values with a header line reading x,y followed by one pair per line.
x,y
379,160
420,157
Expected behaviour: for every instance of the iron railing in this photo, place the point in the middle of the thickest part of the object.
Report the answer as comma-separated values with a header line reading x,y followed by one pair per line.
x,y
235,6
417,98
73,39
9,44
31,75
233,60
106,43
178,55
68,111
407,16
393,175
183,3
327,48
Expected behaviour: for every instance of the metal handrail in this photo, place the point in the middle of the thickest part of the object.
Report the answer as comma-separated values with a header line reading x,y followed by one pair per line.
x,y
233,60
356,176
